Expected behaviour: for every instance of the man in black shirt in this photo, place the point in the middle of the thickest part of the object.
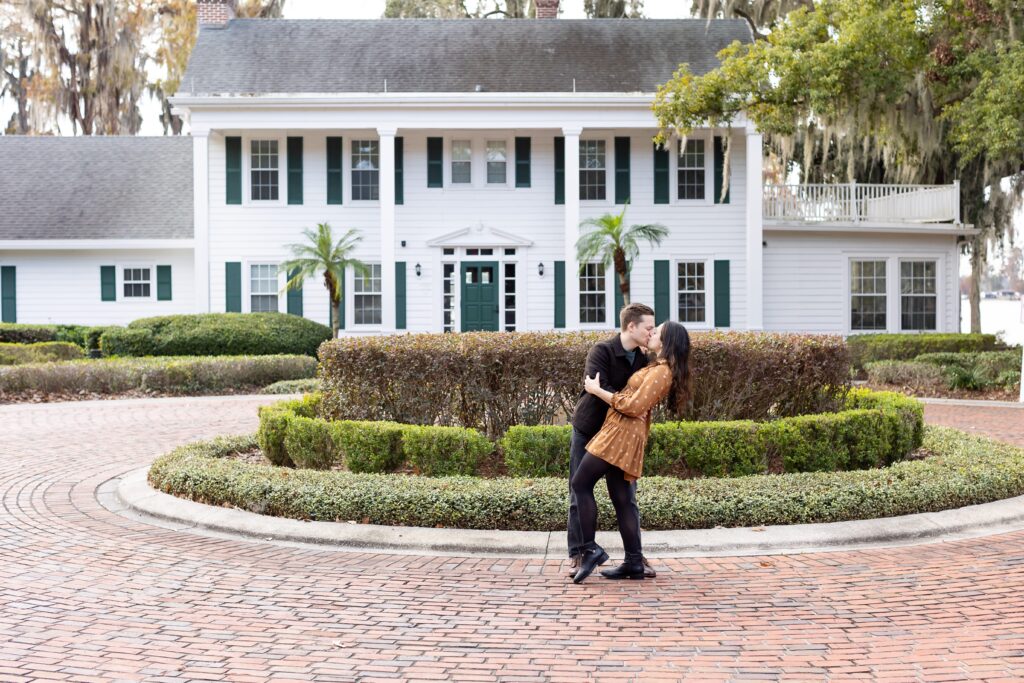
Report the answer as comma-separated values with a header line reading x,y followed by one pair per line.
x,y
616,360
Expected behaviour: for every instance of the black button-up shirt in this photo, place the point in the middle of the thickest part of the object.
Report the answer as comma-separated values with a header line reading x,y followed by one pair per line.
x,y
608,358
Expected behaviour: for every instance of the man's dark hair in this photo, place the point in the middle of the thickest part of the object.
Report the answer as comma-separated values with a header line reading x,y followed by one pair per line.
x,y
633,313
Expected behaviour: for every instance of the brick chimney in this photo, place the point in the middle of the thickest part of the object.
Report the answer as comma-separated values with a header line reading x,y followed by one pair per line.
x,y
547,9
214,13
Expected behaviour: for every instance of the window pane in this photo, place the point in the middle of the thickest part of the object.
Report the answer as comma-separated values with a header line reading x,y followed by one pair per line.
x,y
136,282
496,161
592,169
918,298
462,167
365,169
592,295
367,296
692,304
690,175
263,163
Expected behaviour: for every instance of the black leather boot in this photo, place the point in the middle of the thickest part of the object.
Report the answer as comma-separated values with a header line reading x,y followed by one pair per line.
x,y
592,557
630,569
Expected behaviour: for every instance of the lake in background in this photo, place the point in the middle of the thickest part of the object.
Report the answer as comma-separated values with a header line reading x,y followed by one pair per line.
x,y
996,316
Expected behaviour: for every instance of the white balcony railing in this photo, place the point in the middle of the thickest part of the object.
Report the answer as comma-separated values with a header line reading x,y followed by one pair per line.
x,y
856,203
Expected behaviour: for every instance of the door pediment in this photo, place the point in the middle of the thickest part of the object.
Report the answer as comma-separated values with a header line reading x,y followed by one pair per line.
x,y
479,236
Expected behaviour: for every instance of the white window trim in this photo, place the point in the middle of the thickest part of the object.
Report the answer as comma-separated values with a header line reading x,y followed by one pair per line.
x,y
848,289
514,260
478,162
894,322
282,299
347,165
609,301
709,170
350,300
452,259
119,280
609,171
940,300
282,171
709,291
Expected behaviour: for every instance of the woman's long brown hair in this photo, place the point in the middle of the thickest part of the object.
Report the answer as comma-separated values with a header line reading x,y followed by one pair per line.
x,y
675,349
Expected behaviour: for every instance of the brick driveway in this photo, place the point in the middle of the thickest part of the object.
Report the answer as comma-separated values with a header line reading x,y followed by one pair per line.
x,y
89,595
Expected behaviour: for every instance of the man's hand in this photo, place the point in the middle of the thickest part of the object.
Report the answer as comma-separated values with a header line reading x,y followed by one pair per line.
x,y
592,384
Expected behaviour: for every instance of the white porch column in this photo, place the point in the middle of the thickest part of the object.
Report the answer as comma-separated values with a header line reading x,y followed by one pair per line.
x,y
201,218
572,226
755,232
387,227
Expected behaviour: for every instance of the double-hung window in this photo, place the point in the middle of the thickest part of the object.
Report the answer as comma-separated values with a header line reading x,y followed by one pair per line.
x,y
497,162
593,163
365,169
264,161
367,296
593,308
263,288
690,174
462,162
137,283
692,286
867,295
918,297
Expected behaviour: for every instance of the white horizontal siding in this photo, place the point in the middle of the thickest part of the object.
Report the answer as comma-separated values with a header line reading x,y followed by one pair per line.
x,y
256,232
63,287
805,278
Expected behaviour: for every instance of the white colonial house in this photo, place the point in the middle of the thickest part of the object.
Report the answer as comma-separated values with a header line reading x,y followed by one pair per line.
x,y
466,153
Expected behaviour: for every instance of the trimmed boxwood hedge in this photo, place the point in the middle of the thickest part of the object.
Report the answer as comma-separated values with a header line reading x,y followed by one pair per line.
x,y
874,430
964,470
865,348
187,375
216,334
39,352
291,435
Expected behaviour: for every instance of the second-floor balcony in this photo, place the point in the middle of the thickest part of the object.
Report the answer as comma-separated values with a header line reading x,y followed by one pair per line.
x,y
863,206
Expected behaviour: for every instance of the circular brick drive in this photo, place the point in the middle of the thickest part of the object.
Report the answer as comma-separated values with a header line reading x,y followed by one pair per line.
x,y
86,594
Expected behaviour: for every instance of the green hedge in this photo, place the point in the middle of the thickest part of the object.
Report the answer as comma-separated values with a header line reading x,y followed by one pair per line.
x,y
160,375
216,334
39,352
290,435
865,348
964,470
292,386
876,429
491,381
931,372
22,333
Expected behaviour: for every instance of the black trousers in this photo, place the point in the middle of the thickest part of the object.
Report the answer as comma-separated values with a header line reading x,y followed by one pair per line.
x,y
577,449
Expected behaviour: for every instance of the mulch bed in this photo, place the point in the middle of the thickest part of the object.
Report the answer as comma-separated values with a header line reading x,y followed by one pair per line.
x,y
990,395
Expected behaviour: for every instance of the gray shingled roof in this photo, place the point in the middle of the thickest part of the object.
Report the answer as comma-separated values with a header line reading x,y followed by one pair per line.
x,y
429,55
95,188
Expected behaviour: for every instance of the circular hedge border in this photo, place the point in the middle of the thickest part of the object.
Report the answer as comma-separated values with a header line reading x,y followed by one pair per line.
x,y
964,470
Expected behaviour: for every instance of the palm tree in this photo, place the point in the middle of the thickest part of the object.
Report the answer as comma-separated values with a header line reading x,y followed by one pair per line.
x,y
321,253
611,243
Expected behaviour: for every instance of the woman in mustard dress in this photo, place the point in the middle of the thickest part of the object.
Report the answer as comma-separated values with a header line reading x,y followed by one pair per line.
x,y
617,451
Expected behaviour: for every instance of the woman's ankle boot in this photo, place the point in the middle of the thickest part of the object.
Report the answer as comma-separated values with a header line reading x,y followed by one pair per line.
x,y
592,557
632,568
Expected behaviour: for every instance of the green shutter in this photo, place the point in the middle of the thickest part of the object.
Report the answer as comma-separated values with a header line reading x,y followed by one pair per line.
x,y
399,171
163,283
334,171
662,296
108,283
233,169
294,296
8,294
619,299
559,294
660,175
400,295
233,287
719,171
722,294
294,170
621,170
435,162
522,162
560,172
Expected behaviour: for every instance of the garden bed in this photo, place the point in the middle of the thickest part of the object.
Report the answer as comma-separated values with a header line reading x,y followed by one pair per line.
x,y
961,470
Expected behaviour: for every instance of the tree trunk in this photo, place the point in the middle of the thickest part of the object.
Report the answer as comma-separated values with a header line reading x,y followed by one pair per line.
x,y
977,269
622,270
335,321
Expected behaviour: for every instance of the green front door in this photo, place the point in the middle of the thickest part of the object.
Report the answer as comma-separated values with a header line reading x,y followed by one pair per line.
x,y
480,296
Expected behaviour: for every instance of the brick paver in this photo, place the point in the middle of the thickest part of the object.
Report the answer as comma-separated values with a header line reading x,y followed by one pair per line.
x,y
1003,423
87,595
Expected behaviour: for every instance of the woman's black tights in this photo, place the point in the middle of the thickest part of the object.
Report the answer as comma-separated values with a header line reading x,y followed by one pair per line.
x,y
590,470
